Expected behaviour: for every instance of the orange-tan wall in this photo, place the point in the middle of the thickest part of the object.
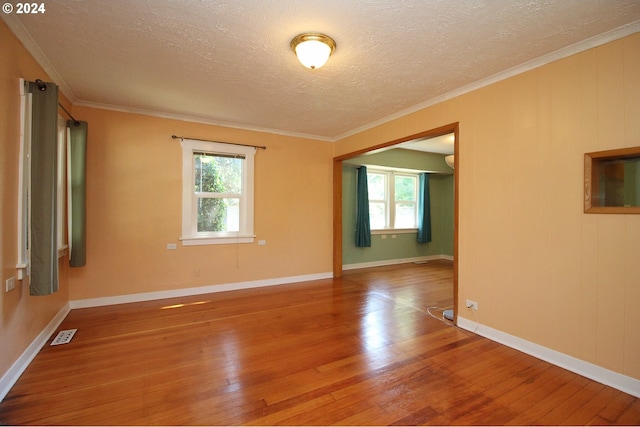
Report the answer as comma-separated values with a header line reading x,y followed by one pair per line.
x,y
539,268
23,317
134,190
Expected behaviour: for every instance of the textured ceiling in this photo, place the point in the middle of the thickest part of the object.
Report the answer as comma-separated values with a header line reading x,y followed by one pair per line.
x,y
229,61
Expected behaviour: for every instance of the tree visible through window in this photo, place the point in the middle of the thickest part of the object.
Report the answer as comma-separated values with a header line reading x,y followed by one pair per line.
x,y
405,201
218,188
378,199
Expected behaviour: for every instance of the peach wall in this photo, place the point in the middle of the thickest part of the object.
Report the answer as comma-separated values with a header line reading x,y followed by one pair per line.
x,y
23,316
539,268
134,187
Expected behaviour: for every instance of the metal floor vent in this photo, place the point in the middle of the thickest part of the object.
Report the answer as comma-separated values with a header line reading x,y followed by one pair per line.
x,y
64,337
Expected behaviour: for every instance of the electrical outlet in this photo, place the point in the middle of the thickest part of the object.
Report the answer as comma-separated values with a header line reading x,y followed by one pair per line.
x,y
472,305
10,284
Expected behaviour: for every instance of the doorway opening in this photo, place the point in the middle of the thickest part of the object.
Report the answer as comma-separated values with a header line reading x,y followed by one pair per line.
x,y
431,134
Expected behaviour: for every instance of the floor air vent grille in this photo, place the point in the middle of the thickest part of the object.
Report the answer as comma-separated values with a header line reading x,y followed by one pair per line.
x,y
64,337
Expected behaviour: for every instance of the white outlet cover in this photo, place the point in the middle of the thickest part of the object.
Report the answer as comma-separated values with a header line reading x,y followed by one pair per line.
x,y
64,337
10,284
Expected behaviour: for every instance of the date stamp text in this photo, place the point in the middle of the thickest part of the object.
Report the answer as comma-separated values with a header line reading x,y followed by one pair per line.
x,y
24,8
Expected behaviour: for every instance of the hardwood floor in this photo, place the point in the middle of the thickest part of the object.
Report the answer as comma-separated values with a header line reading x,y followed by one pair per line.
x,y
359,350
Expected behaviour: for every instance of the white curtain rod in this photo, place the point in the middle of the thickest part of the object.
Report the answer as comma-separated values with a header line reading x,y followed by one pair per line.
x,y
220,142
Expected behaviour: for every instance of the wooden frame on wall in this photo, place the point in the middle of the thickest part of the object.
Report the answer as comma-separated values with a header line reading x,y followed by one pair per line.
x,y
612,181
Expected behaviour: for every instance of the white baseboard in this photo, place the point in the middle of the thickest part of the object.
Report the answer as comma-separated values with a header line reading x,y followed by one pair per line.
x,y
589,370
176,293
395,261
11,376
621,382
9,379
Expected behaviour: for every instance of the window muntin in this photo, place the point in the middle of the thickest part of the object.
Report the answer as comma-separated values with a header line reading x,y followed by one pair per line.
x,y
392,200
217,193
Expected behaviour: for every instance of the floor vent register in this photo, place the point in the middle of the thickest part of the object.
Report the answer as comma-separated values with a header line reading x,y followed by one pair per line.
x,y
64,337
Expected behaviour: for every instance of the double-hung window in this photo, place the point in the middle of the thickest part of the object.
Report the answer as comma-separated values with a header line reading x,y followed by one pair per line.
x,y
217,193
392,200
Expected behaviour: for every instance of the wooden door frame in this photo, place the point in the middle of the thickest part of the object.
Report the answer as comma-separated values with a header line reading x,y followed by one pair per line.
x,y
337,199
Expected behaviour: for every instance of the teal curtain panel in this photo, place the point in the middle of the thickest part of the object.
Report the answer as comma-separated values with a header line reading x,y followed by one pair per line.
x,y
424,210
43,197
363,225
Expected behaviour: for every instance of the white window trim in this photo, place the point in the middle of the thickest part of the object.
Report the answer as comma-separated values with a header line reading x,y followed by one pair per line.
x,y
24,183
385,231
61,183
390,201
190,235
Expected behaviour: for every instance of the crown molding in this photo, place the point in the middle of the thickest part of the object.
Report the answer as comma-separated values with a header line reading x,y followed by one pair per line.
x,y
32,47
23,35
573,49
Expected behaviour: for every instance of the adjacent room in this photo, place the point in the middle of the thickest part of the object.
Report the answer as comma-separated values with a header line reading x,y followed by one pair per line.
x,y
320,212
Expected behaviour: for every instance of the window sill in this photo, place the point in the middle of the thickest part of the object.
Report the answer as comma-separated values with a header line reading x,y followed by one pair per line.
x,y
23,270
225,240
62,251
395,231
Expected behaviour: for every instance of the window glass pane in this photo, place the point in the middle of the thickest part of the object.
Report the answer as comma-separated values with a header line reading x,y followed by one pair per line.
x,y
618,182
405,215
405,187
377,215
377,184
218,174
62,181
218,214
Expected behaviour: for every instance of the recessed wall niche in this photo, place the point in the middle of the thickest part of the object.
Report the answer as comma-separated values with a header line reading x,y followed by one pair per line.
x,y
612,181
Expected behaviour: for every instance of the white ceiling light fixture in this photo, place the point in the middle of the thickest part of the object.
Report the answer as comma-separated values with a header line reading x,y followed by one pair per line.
x,y
449,160
313,49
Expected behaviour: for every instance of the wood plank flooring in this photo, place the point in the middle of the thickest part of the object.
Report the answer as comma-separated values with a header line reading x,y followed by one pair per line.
x,y
359,350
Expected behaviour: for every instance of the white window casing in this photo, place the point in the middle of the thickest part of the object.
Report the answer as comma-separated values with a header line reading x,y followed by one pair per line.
x,y
24,183
190,234
390,203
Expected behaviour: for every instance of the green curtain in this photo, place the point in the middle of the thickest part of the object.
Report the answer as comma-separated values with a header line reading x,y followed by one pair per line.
x,y
424,210
363,225
78,190
43,198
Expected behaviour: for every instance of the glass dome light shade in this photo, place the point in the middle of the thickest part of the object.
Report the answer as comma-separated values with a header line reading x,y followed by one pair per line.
x,y
313,50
